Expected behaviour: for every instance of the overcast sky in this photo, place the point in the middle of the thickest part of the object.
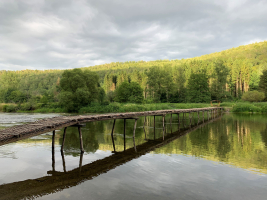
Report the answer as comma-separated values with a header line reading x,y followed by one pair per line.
x,y
61,34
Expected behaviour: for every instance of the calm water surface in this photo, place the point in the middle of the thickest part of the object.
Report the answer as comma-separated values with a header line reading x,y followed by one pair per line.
x,y
224,159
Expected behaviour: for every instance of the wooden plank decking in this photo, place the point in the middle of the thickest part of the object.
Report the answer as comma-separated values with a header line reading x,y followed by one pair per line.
x,y
46,125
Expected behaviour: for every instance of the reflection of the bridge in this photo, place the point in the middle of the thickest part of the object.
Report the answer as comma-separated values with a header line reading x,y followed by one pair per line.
x,y
58,181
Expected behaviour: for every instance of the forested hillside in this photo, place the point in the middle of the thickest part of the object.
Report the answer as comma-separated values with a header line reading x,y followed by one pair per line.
x,y
229,74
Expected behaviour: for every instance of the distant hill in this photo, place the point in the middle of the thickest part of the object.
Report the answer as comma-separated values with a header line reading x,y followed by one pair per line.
x,y
245,64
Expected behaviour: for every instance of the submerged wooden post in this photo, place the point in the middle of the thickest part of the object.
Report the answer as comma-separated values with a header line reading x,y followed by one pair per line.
x,y
190,117
178,121
154,127
64,136
171,122
183,119
112,132
163,120
134,134
53,150
124,135
81,162
63,161
81,138
144,127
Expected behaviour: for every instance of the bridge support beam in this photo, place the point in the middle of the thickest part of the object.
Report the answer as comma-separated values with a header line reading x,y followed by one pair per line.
x,y
112,132
53,150
81,139
64,137
135,123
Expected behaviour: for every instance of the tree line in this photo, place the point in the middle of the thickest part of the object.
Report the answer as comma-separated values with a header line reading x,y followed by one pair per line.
x,y
224,76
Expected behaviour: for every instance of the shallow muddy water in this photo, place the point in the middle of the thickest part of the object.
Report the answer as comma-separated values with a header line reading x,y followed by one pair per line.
x,y
223,159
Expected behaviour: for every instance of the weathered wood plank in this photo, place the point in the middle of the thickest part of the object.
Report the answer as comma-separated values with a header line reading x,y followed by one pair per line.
x,y
50,124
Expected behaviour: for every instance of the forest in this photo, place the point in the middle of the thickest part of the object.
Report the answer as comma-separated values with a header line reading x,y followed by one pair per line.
x,y
227,76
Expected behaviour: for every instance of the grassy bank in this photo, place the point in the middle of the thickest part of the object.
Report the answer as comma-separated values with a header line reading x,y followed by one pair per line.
x,y
130,107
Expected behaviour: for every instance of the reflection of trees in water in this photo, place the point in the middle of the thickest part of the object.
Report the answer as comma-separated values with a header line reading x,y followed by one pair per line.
x,y
264,135
90,142
236,140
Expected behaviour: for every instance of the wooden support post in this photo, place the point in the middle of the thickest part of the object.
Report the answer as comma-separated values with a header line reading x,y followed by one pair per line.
x,y
63,161
183,119
81,139
171,123
144,127
178,121
190,119
124,135
81,162
154,127
163,120
63,140
53,150
112,132
135,123
203,116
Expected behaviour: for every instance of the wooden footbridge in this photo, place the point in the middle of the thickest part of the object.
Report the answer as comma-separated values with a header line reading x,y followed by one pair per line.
x,y
20,132
57,181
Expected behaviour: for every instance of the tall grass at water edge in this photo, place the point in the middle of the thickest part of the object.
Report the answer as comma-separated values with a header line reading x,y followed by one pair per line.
x,y
130,107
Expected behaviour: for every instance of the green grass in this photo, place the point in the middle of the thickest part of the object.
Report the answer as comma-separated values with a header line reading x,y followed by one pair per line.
x,y
131,107
236,107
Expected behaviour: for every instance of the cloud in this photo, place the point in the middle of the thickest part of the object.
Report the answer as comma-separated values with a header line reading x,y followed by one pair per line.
x,y
67,34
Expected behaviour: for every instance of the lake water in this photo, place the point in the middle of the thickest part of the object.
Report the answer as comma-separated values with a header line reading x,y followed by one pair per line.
x,y
223,159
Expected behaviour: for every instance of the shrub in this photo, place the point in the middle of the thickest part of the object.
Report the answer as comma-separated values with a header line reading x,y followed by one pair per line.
x,y
11,108
245,107
253,96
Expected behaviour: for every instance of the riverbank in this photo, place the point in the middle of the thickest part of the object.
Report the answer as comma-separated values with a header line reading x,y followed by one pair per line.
x,y
260,107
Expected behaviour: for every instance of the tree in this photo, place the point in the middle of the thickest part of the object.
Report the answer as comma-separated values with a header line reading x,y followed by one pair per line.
x,y
160,83
179,95
220,79
198,88
263,82
129,92
78,88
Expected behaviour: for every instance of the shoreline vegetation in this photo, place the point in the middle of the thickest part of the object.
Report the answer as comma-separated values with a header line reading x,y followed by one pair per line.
x,y
235,107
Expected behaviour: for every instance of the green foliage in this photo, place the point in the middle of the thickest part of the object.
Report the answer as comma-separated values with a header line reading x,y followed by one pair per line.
x,y
219,81
198,88
78,88
253,96
245,107
129,92
263,82
230,74
160,83
132,107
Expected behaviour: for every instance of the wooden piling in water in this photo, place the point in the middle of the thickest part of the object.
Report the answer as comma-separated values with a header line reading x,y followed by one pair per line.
x,y
81,139
135,123
112,132
124,135
63,140
53,150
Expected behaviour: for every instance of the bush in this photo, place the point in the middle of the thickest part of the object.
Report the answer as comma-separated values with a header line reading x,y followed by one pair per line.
x,y
245,107
11,108
253,96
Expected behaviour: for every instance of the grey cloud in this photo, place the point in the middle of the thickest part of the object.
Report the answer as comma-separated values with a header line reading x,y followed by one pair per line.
x,y
67,34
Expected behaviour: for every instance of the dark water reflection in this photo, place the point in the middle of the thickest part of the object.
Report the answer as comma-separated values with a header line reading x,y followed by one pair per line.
x,y
225,159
